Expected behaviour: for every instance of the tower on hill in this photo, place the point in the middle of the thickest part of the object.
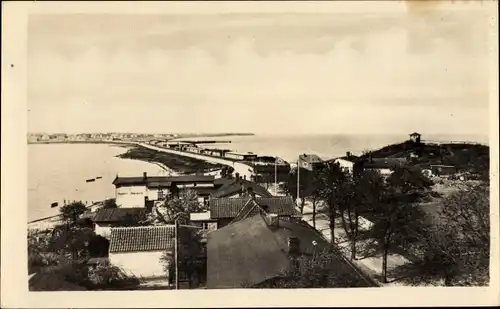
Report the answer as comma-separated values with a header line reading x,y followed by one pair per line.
x,y
415,137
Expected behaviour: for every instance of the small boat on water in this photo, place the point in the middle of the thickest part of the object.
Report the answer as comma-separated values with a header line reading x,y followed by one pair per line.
x,y
90,180
55,204
98,177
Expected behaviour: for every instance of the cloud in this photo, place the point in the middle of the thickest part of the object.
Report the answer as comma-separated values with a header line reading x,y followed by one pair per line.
x,y
367,77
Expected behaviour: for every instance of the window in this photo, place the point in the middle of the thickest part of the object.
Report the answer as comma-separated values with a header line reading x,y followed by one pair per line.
x,y
205,226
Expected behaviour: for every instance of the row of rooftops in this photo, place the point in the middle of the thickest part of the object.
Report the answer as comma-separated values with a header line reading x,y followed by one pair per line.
x,y
159,181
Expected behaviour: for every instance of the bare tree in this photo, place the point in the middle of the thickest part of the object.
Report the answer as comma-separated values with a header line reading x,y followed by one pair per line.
x,y
457,247
399,219
333,193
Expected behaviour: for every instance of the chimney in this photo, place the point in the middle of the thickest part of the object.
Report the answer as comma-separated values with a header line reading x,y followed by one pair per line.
x,y
293,246
237,176
348,154
370,157
145,175
273,220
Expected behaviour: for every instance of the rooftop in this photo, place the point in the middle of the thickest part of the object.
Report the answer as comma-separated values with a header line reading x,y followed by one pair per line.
x,y
117,214
230,207
142,238
255,244
310,158
240,186
161,180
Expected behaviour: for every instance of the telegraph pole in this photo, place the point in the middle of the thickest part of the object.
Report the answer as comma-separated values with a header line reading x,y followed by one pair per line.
x,y
276,176
298,179
176,256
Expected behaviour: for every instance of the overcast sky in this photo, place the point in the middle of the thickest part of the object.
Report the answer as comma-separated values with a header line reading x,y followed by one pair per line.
x,y
282,73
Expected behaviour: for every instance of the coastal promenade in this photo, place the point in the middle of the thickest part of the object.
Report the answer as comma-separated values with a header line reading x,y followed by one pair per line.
x,y
243,169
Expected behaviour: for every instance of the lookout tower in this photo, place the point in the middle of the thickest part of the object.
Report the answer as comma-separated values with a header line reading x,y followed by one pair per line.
x,y
415,137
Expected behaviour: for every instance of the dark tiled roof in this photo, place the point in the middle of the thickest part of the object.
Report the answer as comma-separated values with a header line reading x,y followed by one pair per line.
x,y
143,238
117,214
230,207
123,181
159,184
240,186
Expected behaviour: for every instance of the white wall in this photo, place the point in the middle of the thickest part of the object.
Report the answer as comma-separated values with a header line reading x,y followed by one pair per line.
x,y
384,171
130,196
103,229
141,264
153,193
345,164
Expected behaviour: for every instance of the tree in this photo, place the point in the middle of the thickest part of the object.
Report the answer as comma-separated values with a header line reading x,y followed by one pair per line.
x,y
191,257
105,276
333,193
399,219
71,241
71,212
321,270
315,189
363,191
110,203
177,208
226,171
290,185
457,247
39,254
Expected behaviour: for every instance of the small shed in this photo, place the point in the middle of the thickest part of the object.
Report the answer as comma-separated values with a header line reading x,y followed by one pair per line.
x,y
138,250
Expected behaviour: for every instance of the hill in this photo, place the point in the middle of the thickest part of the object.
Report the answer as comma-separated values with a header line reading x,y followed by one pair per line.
x,y
473,159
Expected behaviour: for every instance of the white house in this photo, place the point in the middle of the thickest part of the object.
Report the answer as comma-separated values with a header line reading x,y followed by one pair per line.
x,y
131,192
345,164
138,250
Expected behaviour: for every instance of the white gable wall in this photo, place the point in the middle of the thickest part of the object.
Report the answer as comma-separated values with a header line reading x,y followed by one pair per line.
x,y
130,196
144,264
103,229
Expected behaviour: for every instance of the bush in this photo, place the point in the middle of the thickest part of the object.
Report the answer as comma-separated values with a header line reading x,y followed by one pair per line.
x,y
72,211
107,276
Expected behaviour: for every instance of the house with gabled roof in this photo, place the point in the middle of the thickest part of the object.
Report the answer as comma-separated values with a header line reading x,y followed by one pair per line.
x,y
259,249
223,211
239,187
138,191
138,250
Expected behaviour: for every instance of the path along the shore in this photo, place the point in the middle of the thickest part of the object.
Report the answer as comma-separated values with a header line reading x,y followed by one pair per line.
x,y
240,168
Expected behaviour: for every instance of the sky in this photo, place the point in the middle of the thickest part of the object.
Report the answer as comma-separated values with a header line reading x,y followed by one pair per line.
x,y
308,73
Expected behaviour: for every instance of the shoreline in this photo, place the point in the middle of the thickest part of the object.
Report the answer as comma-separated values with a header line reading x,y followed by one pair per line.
x,y
173,163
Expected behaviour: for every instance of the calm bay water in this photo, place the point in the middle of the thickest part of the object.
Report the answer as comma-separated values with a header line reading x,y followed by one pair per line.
x,y
57,172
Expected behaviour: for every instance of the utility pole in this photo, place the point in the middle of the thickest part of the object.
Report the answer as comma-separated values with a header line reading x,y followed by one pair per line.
x,y
298,179
176,255
276,176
